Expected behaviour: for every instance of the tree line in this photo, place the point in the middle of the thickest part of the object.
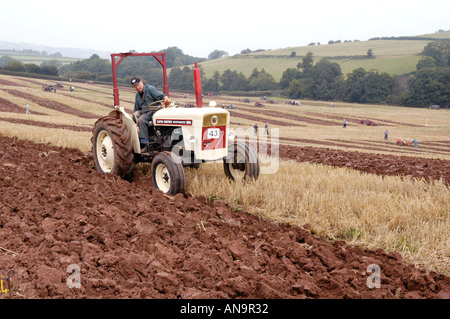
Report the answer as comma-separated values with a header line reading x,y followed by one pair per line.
x,y
429,84
9,64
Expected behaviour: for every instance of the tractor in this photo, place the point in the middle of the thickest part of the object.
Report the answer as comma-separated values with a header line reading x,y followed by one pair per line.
x,y
180,137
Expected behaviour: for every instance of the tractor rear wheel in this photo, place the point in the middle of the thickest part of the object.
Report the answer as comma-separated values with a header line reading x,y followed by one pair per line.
x,y
168,173
112,147
241,163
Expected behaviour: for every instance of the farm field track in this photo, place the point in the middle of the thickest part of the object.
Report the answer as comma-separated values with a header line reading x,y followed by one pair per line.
x,y
144,244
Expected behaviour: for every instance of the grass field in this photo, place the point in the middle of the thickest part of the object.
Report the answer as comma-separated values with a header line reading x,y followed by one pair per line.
x,y
392,213
392,57
36,59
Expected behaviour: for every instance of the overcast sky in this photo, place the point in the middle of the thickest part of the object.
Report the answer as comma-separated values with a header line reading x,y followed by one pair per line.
x,y
199,27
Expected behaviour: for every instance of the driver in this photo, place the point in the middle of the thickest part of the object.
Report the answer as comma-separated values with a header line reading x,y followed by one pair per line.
x,y
145,95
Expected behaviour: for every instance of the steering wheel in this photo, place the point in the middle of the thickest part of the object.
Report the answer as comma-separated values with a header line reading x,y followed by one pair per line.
x,y
155,102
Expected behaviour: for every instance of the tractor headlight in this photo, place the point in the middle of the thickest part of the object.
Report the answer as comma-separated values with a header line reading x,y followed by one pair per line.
x,y
214,120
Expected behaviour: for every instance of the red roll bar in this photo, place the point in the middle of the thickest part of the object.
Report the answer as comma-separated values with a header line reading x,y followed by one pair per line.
x,y
160,57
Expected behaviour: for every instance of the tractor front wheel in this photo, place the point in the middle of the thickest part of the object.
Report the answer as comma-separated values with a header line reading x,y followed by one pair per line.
x,y
241,163
168,173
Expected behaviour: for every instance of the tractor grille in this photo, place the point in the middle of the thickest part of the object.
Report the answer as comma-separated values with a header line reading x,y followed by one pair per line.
x,y
221,120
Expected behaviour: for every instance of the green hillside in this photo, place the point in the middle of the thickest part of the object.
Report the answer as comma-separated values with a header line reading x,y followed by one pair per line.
x,y
36,59
391,56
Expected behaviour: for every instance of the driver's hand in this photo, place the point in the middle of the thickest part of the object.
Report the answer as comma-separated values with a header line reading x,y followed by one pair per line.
x,y
137,114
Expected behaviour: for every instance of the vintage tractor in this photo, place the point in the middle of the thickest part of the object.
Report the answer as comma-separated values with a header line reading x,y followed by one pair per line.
x,y
180,137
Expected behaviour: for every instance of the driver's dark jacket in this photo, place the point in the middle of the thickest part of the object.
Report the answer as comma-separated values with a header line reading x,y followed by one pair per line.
x,y
149,95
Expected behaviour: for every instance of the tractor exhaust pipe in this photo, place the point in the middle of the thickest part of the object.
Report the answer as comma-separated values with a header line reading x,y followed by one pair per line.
x,y
198,86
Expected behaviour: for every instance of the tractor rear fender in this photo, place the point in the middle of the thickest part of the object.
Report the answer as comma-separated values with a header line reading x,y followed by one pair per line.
x,y
131,125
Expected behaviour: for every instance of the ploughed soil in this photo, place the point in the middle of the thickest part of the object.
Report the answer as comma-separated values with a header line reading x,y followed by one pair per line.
x,y
50,104
58,214
379,164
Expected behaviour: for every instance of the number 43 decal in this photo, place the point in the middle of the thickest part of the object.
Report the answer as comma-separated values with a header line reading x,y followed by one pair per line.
x,y
213,133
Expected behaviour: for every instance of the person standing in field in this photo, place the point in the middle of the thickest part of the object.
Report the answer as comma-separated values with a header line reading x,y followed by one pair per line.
x,y
256,129
27,109
386,133
266,128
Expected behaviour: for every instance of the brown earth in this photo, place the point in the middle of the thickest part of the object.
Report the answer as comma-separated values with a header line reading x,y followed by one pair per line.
x,y
131,241
236,115
49,125
380,164
275,114
9,83
8,106
51,104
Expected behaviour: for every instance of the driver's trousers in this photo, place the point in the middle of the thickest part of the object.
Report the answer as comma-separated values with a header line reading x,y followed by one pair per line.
x,y
144,121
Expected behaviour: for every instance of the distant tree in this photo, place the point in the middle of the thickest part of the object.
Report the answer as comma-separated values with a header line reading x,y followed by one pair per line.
x,y
294,90
306,64
255,74
426,62
264,81
233,80
354,85
212,84
181,79
439,51
217,54
307,61
51,62
15,66
176,57
246,51
368,87
289,75
56,55
300,89
429,86
32,68
49,70
85,75
370,53
94,67
5,59
378,86
327,78
293,54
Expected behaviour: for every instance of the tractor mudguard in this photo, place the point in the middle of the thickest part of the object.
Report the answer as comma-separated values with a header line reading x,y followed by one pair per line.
x,y
131,125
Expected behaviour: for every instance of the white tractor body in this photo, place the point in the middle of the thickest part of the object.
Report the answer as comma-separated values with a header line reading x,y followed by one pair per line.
x,y
205,130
